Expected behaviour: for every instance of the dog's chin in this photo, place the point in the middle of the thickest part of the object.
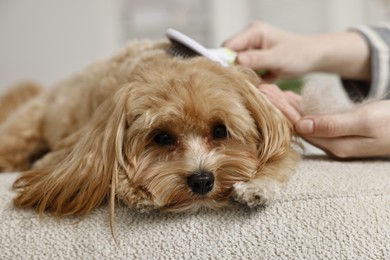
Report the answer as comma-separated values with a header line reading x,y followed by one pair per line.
x,y
181,200
177,198
197,204
189,202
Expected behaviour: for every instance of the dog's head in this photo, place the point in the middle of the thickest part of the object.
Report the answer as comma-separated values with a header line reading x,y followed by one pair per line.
x,y
193,130
176,135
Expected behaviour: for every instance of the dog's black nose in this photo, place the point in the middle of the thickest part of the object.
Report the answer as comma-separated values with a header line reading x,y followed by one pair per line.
x,y
201,182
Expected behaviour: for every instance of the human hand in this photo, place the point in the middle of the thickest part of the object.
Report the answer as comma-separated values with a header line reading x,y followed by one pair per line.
x,y
262,46
282,54
362,132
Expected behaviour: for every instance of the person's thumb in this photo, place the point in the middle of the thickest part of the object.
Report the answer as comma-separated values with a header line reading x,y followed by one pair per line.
x,y
335,125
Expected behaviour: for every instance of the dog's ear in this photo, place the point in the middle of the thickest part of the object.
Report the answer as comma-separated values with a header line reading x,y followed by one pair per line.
x,y
81,172
248,74
274,130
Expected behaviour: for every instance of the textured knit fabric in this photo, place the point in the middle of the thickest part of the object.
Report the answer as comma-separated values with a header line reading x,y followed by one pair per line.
x,y
329,210
378,39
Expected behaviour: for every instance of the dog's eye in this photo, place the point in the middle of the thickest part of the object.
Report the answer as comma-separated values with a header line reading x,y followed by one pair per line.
x,y
220,132
164,139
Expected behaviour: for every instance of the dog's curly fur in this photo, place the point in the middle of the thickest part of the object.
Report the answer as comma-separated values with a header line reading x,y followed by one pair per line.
x,y
136,126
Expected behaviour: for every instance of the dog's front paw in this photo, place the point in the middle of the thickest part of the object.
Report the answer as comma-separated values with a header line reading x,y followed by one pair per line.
x,y
137,198
257,192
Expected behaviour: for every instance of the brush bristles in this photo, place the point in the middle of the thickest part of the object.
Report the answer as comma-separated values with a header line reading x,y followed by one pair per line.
x,y
179,50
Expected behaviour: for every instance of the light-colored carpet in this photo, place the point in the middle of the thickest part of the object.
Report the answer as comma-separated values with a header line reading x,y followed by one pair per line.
x,y
330,210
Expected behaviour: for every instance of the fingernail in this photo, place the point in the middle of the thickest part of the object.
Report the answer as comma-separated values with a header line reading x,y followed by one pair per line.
x,y
243,59
305,126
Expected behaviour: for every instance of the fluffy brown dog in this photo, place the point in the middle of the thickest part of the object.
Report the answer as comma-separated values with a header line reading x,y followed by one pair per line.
x,y
154,131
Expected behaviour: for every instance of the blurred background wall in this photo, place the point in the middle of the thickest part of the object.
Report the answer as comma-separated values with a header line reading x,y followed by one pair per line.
x,y
46,40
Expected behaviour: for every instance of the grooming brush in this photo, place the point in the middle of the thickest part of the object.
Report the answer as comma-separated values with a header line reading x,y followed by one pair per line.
x,y
186,47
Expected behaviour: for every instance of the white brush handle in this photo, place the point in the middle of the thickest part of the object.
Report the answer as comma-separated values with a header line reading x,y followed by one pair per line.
x,y
223,56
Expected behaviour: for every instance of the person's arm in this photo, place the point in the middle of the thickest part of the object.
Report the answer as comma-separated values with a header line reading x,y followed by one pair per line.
x,y
344,53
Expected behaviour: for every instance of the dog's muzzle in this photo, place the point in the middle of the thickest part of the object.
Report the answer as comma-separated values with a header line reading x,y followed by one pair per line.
x,y
201,182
